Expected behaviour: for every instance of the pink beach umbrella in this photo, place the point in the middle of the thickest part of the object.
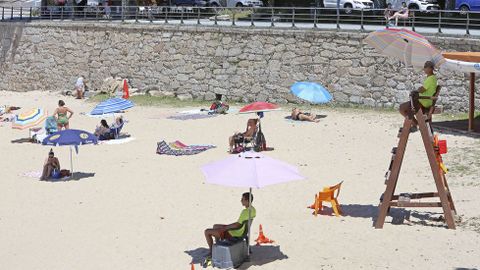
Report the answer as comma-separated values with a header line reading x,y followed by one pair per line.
x,y
250,169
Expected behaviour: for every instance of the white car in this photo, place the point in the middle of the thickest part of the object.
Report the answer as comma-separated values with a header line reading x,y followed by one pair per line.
x,y
349,5
244,3
422,5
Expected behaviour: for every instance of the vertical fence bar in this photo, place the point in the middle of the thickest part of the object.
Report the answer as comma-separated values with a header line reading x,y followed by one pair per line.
x,y
315,18
198,15
362,28
21,13
3,13
413,21
123,13
338,18
30,16
233,17
61,14
150,14
11,14
50,15
136,14
439,21
293,17
216,21
97,10
84,14
467,26
181,15
166,15
272,24
251,18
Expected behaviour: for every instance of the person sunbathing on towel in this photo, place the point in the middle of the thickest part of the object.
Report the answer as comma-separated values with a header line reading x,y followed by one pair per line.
x,y
230,231
248,134
301,116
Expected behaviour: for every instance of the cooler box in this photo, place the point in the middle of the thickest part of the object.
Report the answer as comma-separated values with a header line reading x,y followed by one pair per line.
x,y
229,255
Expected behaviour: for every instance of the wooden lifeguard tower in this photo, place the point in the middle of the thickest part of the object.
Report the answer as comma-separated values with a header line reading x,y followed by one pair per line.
x,y
389,199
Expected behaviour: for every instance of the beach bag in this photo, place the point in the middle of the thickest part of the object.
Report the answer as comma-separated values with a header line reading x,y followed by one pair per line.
x,y
222,109
215,105
260,142
64,173
238,149
56,174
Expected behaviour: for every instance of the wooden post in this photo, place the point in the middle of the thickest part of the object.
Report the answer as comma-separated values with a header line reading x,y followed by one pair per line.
x,y
471,112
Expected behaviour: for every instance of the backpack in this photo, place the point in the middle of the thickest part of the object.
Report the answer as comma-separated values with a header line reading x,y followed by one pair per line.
x,y
260,142
216,104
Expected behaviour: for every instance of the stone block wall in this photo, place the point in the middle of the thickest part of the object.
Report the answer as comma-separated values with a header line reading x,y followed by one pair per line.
x,y
245,64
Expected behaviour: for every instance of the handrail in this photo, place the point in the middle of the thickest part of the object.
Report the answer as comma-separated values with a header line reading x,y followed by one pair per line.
x,y
450,22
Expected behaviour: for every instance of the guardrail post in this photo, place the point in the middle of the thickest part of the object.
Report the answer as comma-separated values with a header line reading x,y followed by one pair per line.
x,y
272,24
198,15
338,18
11,14
362,28
439,21
61,14
150,15
21,13
97,10
136,14
3,13
123,13
293,17
467,26
30,16
315,18
413,21
84,14
251,18
233,17
216,21
51,15
181,15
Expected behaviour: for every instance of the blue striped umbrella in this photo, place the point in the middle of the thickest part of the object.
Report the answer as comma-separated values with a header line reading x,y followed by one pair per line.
x,y
112,105
311,92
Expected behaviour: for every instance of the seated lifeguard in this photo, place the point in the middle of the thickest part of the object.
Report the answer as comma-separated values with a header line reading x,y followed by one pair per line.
x,y
427,90
230,231
301,116
240,137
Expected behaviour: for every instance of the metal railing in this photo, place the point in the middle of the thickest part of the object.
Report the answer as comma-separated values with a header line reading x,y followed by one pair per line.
x,y
436,22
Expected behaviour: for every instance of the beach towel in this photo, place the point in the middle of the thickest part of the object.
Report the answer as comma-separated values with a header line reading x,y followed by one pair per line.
x,y
178,148
191,116
32,174
117,141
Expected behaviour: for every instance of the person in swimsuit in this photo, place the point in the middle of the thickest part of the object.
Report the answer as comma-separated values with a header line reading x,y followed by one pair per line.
x,y
50,164
60,115
301,116
402,14
248,134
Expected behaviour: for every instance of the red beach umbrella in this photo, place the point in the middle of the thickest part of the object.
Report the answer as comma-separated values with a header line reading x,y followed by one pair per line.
x,y
259,107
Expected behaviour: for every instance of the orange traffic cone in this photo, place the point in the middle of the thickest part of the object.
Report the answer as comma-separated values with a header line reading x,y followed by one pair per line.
x,y
192,267
262,239
126,94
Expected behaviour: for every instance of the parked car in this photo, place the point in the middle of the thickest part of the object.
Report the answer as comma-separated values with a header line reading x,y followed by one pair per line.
x,y
467,5
244,3
196,3
421,5
349,5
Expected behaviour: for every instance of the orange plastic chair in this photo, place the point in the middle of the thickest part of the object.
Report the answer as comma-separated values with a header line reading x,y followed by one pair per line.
x,y
328,195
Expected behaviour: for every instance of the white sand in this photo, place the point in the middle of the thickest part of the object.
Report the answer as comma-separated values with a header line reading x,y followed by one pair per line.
x,y
145,211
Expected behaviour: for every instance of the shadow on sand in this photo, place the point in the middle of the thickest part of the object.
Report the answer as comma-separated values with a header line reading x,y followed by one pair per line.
x,y
260,255
75,177
22,140
458,127
320,116
399,215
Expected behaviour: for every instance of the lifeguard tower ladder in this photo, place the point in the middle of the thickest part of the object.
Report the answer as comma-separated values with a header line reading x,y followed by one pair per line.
x,y
389,199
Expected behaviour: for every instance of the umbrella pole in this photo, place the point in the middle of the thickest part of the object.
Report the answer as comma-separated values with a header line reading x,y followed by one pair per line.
x,y
71,163
249,221
114,121
471,111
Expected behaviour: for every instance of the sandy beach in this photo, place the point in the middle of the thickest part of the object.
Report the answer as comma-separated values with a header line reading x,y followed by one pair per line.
x,y
134,209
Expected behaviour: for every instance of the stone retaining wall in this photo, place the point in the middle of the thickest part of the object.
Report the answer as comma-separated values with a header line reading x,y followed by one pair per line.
x,y
198,61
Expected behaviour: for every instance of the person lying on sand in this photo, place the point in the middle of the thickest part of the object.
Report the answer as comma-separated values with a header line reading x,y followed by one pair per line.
x,y
230,231
301,116
248,134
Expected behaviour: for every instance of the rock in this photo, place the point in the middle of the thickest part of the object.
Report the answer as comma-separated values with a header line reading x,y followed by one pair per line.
x,y
184,97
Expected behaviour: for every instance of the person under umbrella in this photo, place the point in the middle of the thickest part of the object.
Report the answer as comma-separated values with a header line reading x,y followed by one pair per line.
x,y
233,230
50,164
